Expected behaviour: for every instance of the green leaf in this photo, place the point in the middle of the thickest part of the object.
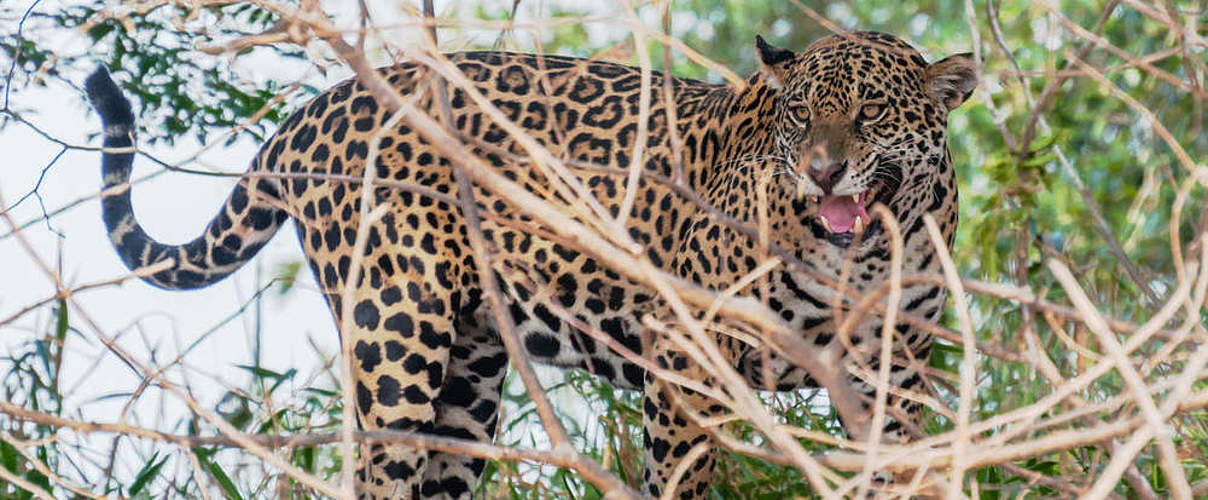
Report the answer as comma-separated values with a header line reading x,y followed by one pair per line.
x,y
62,324
220,476
150,471
98,31
287,275
9,457
270,374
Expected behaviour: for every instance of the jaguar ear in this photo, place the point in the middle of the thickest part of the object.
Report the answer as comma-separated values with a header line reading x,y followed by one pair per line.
x,y
773,62
952,79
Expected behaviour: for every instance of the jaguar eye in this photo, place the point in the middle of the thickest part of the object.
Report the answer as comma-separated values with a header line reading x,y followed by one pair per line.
x,y
870,112
801,113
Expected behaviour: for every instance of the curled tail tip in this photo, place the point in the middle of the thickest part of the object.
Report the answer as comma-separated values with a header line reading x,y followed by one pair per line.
x,y
108,100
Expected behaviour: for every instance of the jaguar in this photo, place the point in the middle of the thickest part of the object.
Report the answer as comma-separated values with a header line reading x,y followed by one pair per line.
x,y
810,146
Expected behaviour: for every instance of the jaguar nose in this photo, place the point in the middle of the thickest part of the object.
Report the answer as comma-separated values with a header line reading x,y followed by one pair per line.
x,y
827,176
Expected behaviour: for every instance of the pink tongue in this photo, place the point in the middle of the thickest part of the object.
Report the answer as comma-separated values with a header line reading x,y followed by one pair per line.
x,y
841,213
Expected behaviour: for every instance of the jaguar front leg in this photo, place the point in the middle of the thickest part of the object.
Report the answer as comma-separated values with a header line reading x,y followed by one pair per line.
x,y
680,451
902,408
902,414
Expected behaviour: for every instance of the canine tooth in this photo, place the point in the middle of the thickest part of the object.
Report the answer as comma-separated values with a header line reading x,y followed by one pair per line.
x,y
825,223
800,189
855,198
859,228
814,199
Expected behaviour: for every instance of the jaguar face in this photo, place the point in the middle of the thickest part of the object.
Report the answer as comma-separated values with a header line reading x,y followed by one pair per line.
x,y
861,119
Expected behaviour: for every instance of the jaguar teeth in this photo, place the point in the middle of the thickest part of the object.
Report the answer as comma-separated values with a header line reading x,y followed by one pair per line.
x,y
859,227
813,199
800,190
855,198
825,223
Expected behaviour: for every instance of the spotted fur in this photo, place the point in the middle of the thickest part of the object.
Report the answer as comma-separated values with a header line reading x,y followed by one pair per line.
x,y
427,356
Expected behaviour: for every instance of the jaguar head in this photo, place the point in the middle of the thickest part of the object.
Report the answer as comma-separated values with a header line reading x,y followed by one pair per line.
x,y
861,118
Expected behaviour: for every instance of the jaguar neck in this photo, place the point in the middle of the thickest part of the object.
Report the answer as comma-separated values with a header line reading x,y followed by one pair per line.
x,y
736,131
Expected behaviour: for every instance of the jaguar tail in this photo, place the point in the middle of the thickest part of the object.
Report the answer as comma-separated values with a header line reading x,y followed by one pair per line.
x,y
247,220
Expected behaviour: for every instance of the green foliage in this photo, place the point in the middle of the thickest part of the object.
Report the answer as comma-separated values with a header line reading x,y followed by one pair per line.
x,y
287,276
149,471
154,56
206,457
32,381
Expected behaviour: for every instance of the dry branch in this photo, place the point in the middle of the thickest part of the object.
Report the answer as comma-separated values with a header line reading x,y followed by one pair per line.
x,y
1082,407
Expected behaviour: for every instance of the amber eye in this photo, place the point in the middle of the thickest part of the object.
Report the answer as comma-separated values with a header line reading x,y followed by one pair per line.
x,y
800,113
871,112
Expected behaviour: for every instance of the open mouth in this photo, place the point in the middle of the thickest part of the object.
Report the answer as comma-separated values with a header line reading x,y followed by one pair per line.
x,y
841,219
